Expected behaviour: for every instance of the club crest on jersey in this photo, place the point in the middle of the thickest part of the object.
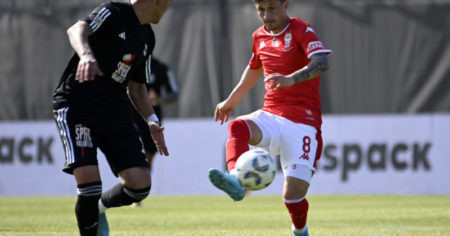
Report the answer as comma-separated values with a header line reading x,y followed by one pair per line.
x,y
287,41
83,136
123,67
275,42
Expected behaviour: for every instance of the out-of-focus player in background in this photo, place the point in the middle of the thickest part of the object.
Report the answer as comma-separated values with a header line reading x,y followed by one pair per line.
x,y
289,54
93,110
162,87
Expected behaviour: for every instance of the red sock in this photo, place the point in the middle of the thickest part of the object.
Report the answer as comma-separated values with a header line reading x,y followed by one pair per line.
x,y
298,212
237,143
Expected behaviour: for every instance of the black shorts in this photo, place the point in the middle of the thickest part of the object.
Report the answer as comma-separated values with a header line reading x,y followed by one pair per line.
x,y
114,134
144,131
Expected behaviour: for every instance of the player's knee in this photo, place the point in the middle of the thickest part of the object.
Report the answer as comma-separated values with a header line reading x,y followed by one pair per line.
x,y
290,194
93,189
137,195
295,188
239,128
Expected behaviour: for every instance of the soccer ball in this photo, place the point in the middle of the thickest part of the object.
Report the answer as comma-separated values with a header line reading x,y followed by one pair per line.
x,y
255,169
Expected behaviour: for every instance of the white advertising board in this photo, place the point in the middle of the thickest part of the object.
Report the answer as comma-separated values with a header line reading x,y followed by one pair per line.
x,y
376,154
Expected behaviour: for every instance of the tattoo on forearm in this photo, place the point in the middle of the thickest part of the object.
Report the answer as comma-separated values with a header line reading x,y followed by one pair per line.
x,y
317,66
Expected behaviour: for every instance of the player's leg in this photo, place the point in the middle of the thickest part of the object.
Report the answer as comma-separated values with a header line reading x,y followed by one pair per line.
x,y
134,187
241,132
294,193
123,151
147,142
301,147
81,161
89,190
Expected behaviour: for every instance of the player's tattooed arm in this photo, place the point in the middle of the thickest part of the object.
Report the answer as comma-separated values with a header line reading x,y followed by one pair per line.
x,y
317,66
87,66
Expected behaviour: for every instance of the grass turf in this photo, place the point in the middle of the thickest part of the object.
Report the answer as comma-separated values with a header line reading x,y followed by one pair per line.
x,y
219,215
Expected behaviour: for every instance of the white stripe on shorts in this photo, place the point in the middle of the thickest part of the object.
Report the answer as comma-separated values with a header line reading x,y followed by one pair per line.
x,y
64,131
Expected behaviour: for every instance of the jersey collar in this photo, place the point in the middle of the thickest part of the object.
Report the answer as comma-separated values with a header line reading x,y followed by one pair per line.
x,y
280,33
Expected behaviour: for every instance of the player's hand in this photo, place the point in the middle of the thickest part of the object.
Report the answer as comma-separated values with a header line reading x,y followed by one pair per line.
x,y
87,69
223,111
279,81
158,138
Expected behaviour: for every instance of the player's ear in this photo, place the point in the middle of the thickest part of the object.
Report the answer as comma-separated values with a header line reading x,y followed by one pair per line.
x,y
286,4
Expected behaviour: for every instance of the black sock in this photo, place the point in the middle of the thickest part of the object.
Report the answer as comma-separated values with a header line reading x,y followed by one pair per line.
x,y
86,208
120,195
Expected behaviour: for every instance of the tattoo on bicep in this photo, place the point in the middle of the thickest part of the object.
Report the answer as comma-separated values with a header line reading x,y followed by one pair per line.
x,y
317,66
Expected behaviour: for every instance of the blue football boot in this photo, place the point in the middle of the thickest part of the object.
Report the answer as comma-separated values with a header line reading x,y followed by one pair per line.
x,y
227,183
103,228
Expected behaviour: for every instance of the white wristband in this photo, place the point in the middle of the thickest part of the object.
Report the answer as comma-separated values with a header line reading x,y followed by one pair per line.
x,y
153,118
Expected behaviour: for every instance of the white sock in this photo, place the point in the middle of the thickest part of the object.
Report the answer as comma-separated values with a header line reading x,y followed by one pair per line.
x,y
101,207
233,172
299,231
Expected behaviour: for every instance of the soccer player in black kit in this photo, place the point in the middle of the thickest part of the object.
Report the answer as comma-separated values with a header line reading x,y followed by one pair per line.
x,y
93,110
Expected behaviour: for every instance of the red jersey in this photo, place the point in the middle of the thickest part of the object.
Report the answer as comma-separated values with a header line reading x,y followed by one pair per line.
x,y
285,53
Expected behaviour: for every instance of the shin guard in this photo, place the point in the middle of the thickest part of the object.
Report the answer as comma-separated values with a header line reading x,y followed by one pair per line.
x,y
298,209
237,143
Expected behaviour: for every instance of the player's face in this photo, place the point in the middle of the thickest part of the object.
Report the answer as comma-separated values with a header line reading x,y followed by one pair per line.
x,y
159,11
273,14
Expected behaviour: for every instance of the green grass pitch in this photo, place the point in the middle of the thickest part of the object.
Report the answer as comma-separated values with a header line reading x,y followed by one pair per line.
x,y
219,215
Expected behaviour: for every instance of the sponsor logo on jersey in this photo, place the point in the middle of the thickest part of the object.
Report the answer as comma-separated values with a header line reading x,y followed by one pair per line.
x,y
287,41
313,45
98,20
128,58
309,29
275,42
120,74
262,45
83,136
123,67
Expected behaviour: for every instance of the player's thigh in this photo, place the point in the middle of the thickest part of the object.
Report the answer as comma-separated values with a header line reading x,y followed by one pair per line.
x,y
266,131
78,136
124,153
299,148
136,177
87,174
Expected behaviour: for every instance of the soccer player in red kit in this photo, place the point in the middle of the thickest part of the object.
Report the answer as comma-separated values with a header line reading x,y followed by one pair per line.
x,y
292,58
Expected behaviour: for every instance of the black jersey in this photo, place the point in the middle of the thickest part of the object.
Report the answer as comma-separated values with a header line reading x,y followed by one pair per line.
x,y
161,77
123,50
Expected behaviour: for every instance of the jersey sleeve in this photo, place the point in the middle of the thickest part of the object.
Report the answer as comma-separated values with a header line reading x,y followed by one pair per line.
x,y
310,43
143,72
255,62
101,18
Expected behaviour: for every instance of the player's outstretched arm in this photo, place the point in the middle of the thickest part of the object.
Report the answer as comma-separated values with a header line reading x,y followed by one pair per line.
x,y
248,80
317,66
138,95
78,37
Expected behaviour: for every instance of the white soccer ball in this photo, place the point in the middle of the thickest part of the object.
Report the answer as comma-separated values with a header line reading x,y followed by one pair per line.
x,y
255,169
